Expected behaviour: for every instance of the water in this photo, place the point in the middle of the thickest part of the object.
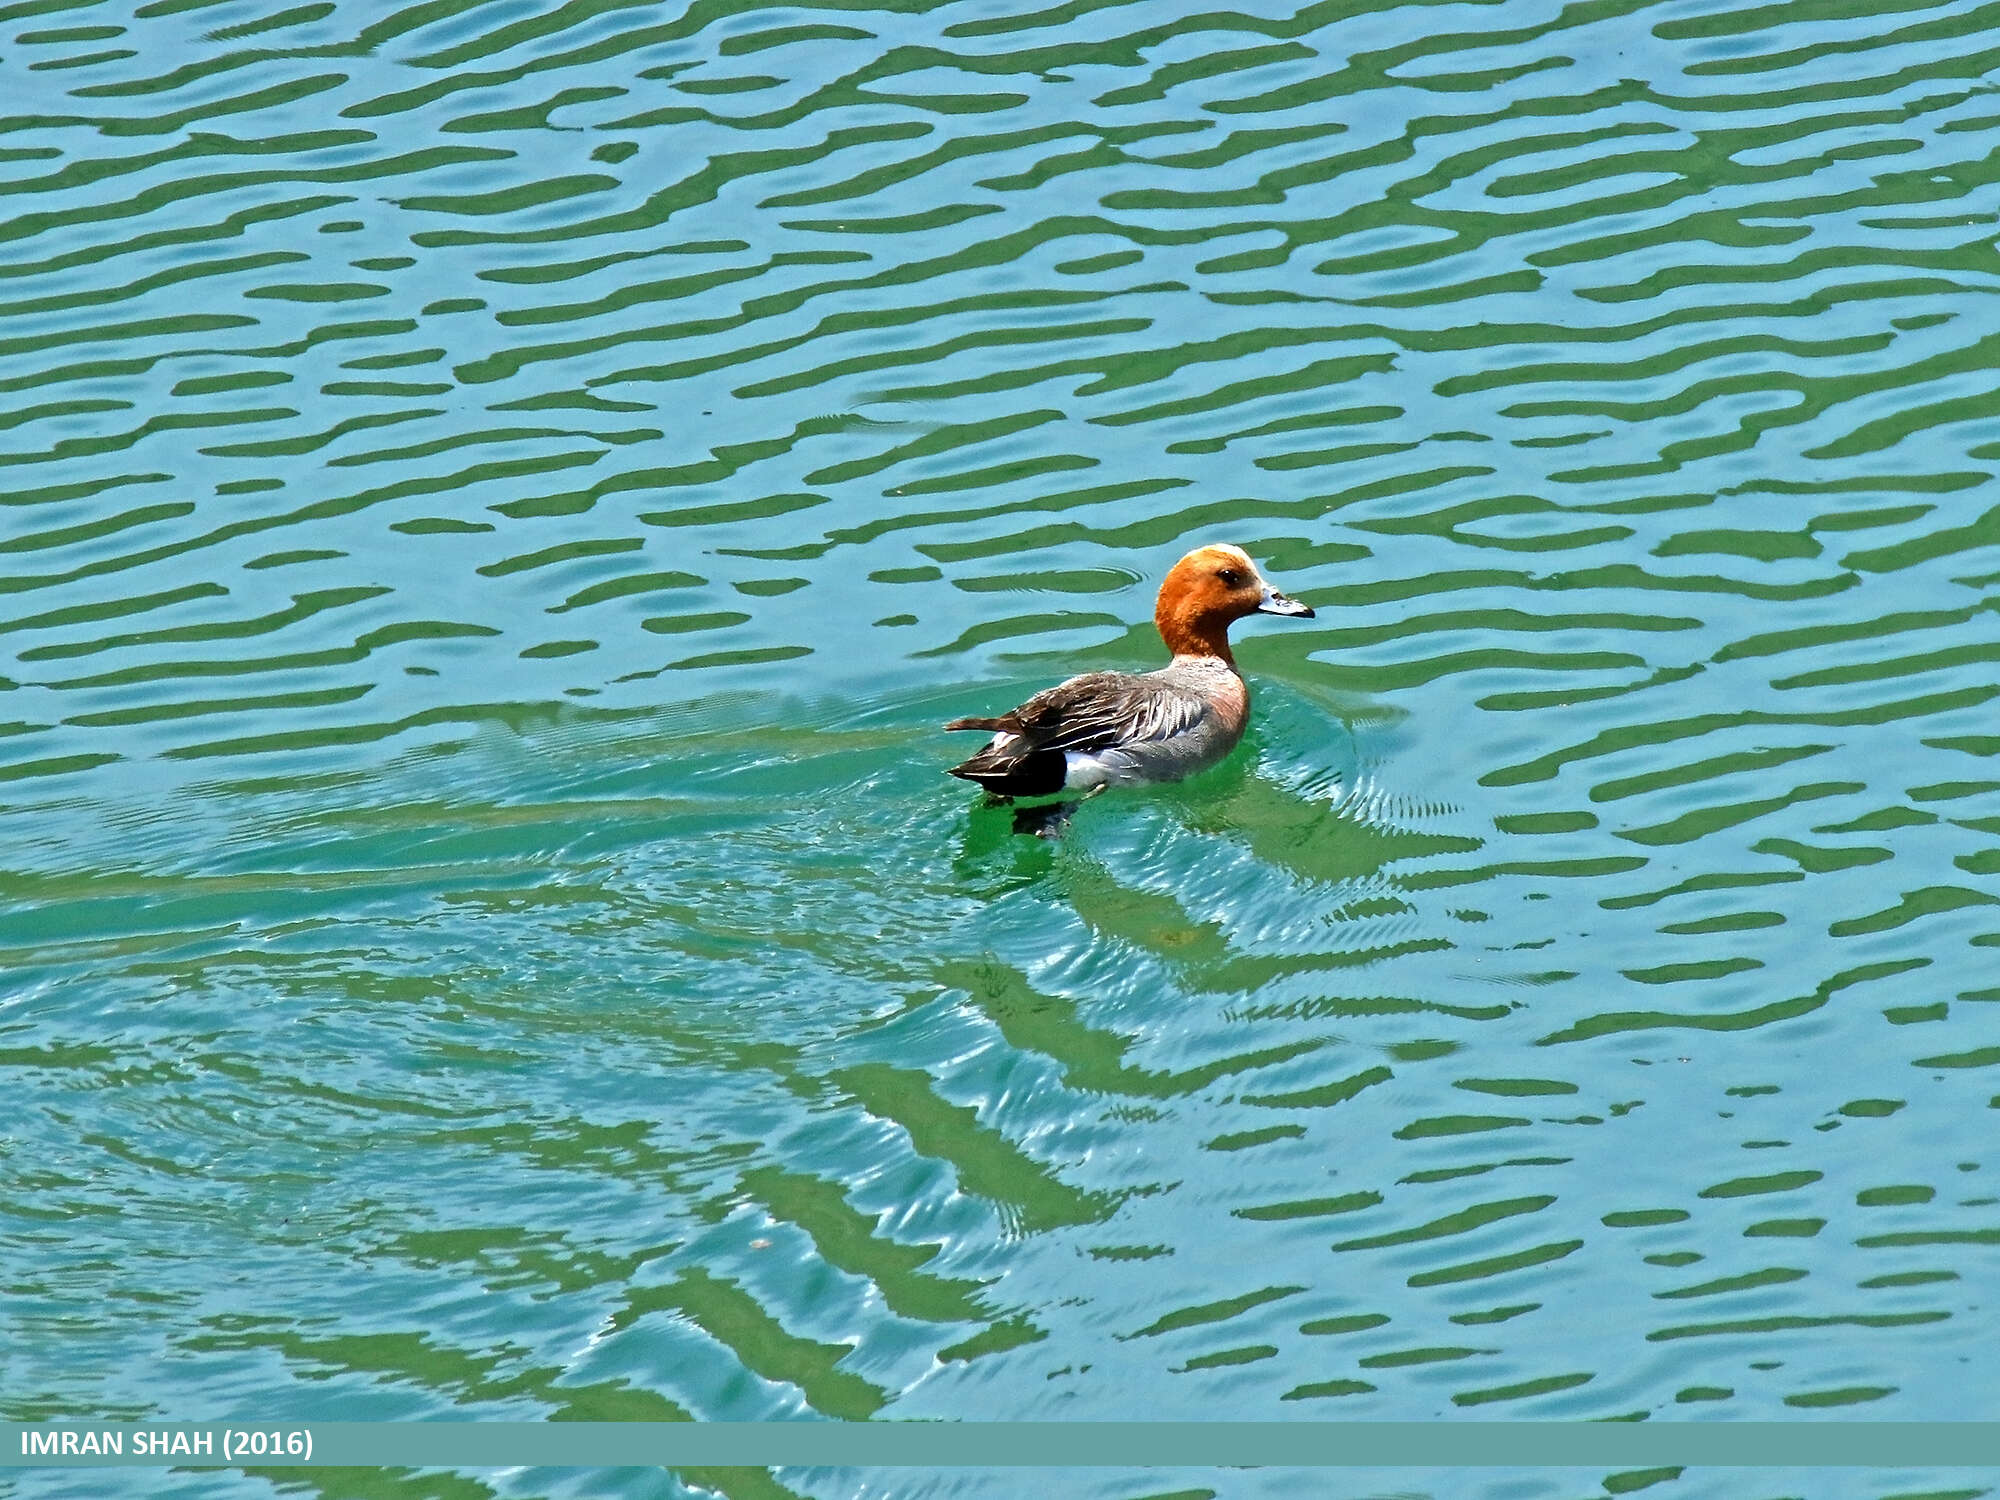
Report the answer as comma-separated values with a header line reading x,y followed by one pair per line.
x,y
496,500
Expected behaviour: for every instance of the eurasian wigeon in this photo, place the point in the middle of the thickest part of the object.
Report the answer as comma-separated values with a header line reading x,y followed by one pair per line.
x,y
1113,728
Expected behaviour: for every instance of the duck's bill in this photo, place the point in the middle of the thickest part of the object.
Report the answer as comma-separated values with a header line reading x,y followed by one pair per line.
x,y
1275,603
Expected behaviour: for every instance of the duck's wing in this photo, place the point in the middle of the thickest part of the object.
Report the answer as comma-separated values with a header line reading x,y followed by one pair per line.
x,y
1102,709
1093,712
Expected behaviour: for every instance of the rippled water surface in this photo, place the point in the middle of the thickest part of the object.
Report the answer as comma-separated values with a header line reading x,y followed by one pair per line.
x,y
497,496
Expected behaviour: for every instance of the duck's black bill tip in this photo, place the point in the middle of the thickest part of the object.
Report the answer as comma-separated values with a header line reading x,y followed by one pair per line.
x,y
1279,605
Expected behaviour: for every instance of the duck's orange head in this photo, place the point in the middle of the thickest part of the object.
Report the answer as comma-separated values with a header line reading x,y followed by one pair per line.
x,y
1207,590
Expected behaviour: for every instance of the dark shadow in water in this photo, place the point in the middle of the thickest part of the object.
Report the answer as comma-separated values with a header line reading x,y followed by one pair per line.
x,y
1046,820
994,857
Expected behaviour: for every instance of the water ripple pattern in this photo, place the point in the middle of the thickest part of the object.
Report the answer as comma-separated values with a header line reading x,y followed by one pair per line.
x,y
496,498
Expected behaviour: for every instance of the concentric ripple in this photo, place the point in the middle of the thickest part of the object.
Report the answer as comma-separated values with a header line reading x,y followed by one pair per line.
x,y
495,500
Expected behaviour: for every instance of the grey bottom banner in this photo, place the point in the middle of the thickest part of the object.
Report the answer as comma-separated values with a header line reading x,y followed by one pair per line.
x,y
817,1444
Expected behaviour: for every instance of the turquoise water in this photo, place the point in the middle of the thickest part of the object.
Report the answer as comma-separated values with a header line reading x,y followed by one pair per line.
x,y
496,500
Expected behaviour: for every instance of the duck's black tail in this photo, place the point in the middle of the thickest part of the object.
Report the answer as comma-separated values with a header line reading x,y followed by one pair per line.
x,y
1008,773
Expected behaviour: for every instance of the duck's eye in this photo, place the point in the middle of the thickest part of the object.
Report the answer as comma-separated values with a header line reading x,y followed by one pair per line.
x,y
1231,577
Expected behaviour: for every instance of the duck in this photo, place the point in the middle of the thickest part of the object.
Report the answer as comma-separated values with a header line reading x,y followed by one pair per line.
x,y
1104,729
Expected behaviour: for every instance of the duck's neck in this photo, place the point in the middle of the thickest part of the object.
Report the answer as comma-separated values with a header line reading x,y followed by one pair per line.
x,y
1188,633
